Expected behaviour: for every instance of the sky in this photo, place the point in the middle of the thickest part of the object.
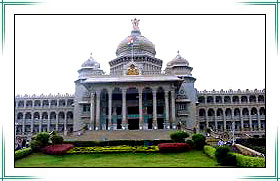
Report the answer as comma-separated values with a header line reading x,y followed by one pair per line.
x,y
225,51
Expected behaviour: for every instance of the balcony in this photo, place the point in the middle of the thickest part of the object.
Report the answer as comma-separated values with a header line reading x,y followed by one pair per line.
x,y
182,113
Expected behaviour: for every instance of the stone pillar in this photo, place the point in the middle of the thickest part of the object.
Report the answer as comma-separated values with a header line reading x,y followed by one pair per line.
x,y
32,124
115,118
173,118
124,122
166,123
154,108
92,102
224,117
56,123
242,122
250,121
110,110
40,125
49,123
98,126
207,120
141,122
259,122
233,120
23,126
65,125
216,121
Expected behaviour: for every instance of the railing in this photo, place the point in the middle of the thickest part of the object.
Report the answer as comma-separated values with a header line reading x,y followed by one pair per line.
x,y
182,112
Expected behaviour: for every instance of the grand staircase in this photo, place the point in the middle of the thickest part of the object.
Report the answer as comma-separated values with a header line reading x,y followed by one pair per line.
x,y
103,135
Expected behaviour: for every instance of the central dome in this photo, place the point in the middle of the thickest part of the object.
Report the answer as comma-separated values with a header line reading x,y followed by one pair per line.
x,y
135,44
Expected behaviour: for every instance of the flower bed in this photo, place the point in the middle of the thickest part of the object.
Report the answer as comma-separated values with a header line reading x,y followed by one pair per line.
x,y
57,149
173,147
112,149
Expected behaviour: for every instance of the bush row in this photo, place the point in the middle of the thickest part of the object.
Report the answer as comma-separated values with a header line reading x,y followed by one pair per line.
x,y
209,150
116,143
113,149
57,149
22,153
248,161
173,147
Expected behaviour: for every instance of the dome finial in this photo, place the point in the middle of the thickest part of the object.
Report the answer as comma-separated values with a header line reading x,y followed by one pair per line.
x,y
178,52
135,23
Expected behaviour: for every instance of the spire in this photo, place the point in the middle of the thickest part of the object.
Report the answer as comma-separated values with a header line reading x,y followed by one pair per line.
x,y
135,23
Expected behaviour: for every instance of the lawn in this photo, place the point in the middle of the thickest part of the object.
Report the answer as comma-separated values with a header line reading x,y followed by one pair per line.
x,y
187,159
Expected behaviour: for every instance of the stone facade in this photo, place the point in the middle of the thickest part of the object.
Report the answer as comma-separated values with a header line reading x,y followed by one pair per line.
x,y
138,95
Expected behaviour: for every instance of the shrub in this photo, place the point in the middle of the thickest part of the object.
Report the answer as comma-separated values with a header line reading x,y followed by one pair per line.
x,y
199,141
22,153
179,136
190,143
57,149
248,161
112,149
223,157
173,147
43,138
56,139
209,150
35,145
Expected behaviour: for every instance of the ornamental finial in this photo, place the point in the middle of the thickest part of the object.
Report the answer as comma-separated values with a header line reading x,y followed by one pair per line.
x,y
178,52
135,23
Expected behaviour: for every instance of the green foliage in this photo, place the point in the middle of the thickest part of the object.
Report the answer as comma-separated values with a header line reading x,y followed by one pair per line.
x,y
190,142
223,157
179,136
209,150
248,161
113,149
22,153
43,138
199,141
36,145
56,139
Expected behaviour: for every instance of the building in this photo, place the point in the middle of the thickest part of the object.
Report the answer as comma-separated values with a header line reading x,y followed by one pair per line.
x,y
138,95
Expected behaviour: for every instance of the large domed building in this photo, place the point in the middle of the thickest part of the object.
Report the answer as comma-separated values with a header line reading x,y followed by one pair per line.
x,y
138,95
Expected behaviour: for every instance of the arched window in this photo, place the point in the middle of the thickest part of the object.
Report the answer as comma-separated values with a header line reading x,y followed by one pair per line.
x,y
45,115
210,99
211,112
228,112
219,112
37,103
219,99
227,99
21,104
202,112
20,116
28,104
69,115
61,115
53,115
260,98
245,111
27,115
252,98
36,115
236,112
254,111
45,103
70,102
201,99
61,102
53,102
244,99
262,111
235,99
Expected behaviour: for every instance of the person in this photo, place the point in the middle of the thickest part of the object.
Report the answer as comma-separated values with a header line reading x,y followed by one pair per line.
x,y
220,142
23,143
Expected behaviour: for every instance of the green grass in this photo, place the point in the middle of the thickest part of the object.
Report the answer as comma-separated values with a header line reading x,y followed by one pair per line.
x,y
186,159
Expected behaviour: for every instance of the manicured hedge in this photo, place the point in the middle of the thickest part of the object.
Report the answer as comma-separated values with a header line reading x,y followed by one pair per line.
x,y
209,150
57,149
173,147
22,153
248,161
112,149
116,143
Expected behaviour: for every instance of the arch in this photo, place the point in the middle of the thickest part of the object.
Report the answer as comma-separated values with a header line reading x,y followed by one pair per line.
x,y
19,116
45,103
69,115
20,103
227,99
252,98
245,111
61,115
45,115
219,99
235,99
228,112
147,93
53,102
260,98
210,112
53,115
244,99
220,112
236,112
37,103
70,102
28,103
201,99
61,102
210,99
28,115
254,111
160,93
202,112
262,111
36,115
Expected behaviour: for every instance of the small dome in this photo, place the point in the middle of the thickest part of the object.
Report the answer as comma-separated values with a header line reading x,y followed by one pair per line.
x,y
137,42
91,63
178,61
